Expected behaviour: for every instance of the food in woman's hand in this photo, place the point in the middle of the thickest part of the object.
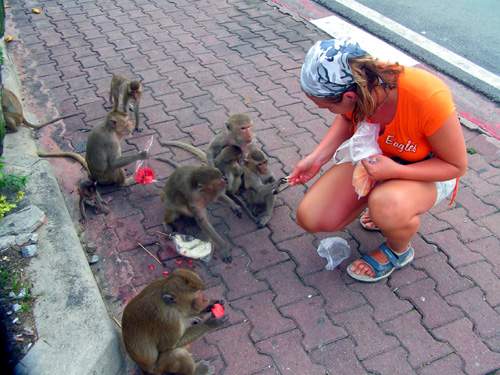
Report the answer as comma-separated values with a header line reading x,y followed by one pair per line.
x,y
361,180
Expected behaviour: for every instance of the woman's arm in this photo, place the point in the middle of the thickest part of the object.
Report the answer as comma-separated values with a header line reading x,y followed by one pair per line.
x,y
308,167
449,161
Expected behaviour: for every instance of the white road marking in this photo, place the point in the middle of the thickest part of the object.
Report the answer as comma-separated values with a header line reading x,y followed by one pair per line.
x,y
452,58
376,47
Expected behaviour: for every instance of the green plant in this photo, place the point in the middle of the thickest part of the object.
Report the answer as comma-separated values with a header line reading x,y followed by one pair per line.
x,y
11,190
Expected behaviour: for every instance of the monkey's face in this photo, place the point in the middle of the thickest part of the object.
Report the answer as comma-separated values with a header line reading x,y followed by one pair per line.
x,y
245,133
200,301
210,180
124,126
262,167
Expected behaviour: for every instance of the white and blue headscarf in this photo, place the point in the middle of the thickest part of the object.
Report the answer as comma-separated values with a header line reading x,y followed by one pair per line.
x,y
326,71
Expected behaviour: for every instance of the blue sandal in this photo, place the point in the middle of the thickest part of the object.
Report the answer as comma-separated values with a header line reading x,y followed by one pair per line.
x,y
383,270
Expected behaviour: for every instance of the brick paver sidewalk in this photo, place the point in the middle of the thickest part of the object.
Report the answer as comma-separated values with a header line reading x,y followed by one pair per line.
x,y
199,62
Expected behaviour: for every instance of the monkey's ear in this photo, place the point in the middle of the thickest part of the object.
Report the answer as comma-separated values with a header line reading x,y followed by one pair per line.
x,y
228,125
168,298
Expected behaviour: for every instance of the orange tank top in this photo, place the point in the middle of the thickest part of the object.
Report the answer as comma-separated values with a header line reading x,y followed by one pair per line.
x,y
424,104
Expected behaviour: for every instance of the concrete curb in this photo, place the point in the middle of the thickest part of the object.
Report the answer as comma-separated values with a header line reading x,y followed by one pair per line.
x,y
75,332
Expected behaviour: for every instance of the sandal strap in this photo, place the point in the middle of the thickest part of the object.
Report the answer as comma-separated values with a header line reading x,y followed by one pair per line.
x,y
378,268
394,258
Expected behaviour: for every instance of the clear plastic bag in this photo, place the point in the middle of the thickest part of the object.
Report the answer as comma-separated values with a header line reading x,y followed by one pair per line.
x,y
192,247
334,250
362,145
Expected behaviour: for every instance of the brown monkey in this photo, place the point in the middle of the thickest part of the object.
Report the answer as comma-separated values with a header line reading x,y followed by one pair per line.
x,y
14,115
163,319
238,132
188,192
229,162
103,158
121,91
259,186
89,196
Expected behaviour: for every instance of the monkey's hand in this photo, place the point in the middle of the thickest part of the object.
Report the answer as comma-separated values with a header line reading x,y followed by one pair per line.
x,y
214,322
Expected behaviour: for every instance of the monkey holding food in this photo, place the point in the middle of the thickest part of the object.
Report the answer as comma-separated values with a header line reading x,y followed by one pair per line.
x,y
163,319
188,191
123,90
14,116
103,157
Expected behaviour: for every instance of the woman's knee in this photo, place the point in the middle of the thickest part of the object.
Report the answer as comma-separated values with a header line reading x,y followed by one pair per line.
x,y
388,207
313,220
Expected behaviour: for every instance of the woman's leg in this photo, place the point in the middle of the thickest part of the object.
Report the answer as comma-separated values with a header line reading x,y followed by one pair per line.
x,y
395,207
331,203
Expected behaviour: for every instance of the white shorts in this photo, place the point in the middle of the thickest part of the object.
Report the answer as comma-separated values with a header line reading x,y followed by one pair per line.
x,y
444,190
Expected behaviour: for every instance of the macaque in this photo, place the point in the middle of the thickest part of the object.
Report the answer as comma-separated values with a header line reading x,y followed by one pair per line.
x,y
188,192
14,115
103,158
89,196
260,186
165,317
229,162
239,132
120,93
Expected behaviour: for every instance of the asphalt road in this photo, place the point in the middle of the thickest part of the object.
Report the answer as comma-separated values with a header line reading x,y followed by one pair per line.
x,y
469,28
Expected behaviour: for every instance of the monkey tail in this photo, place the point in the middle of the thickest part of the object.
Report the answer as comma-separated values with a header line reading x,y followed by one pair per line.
x,y
79,158
168,161
189,148
33,126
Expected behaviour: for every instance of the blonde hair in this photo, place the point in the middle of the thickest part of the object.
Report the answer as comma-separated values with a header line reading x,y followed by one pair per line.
x,y
368,73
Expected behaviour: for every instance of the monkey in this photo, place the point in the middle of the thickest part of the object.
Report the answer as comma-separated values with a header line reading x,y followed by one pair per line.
x,y
239,132
14,115
120,93
260,186
103,156
222,150
90,196
188,191
165,317
229,162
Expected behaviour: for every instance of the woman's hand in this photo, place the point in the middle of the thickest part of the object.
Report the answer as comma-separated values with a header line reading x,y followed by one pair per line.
x,y
305,169
381,168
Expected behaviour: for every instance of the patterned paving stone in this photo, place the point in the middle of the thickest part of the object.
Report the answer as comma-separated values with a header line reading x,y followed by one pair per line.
x,y
434,309
467,228
240,355
284,282
370,339
303,252
422,347
486,320
288,354
339,358
385,303
314,323
482,274
477,357
458,253
264,316
447,280
449,365
393,362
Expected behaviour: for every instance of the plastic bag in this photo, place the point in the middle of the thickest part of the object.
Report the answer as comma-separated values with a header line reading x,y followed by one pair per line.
x,y
144,174
192,247
362,144
334,250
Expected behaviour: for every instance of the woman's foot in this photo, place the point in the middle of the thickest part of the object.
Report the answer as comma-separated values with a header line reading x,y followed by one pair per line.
x,y
379,264
366,221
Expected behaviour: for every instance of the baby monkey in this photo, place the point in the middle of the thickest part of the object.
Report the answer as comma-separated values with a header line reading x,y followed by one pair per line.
x,y
162,320
121,92
90,196
14,115
260,187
